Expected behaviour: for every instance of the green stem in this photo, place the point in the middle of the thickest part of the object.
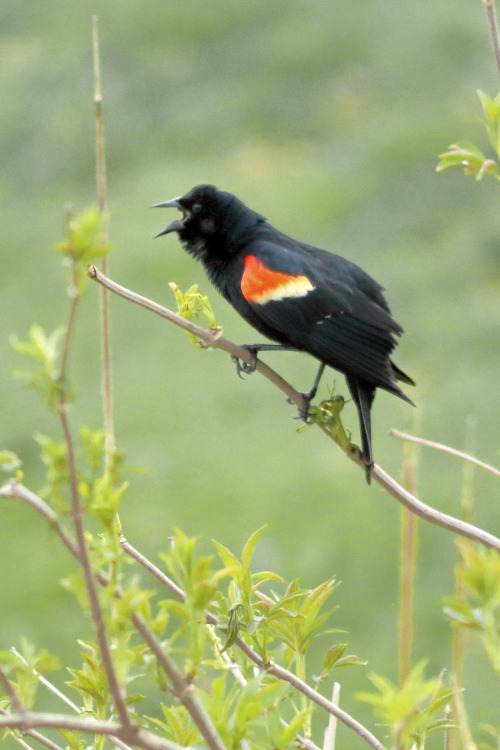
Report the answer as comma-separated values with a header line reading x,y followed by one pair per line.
x,y
70,327
409,528
493,26
101,187
300,662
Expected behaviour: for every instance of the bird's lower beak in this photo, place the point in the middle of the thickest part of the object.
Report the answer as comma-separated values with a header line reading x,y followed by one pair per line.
x,y
175,225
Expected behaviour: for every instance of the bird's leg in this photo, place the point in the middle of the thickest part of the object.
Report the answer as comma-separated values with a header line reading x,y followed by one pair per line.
x,y
308,397
248,367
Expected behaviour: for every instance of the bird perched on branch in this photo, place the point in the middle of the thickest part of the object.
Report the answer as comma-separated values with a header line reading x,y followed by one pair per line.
x,y
302,297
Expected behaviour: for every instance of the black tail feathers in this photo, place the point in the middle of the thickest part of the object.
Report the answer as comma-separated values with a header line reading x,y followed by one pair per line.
x,y
363,395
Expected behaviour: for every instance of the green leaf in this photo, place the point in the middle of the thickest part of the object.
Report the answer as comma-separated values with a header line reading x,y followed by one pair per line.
x,y
248,549
233,627
228,558
43,350
491,111
468,157
84,234
294,727
333,654
408,710
190,305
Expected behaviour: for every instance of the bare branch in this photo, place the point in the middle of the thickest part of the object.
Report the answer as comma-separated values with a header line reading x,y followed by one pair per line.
x,y
431,514
312,694
213,339
183,689
116,690
34,735
154,570
129,734
43,680
447,449
53,689
14,489
11,692
17,705
42,740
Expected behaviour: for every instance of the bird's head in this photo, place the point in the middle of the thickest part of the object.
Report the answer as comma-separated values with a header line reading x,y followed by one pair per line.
x,y
213,222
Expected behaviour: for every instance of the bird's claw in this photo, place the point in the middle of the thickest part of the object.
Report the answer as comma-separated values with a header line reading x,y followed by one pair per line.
x,y
245,368
303,412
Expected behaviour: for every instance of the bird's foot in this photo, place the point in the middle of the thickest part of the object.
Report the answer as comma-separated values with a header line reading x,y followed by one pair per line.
x,y
303,412
246,368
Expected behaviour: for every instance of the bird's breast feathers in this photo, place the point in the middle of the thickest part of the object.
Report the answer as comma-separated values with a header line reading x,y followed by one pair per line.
x,y
260,284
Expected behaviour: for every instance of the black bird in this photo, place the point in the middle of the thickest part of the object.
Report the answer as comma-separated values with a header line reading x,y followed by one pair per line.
x,y
302,297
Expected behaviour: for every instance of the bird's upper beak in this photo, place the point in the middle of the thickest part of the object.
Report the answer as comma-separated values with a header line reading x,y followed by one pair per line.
x,y
175,225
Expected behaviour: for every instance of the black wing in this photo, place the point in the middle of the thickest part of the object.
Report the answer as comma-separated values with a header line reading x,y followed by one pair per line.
x,y
344,320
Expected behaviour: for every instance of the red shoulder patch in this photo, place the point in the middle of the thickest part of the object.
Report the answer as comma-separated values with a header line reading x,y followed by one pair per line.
x,y
260,284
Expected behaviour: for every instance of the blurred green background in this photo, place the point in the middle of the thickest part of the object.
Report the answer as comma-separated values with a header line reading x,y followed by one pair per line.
x,y
327,117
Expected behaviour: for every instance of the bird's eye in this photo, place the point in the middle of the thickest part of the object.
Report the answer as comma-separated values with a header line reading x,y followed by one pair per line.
x,y
196,208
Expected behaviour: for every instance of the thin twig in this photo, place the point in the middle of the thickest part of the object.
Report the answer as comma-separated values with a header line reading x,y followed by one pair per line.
x,y
447,449
407,555
314,696
68,336
129,734
116,690
43,680
101,187
208,338
34,735
14,489
53,689
431,514
154,570
17,705
493,27
11,692
213,339
20,741
183,689
41,739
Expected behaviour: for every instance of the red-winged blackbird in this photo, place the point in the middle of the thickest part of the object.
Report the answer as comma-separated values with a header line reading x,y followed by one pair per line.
x,y
304,298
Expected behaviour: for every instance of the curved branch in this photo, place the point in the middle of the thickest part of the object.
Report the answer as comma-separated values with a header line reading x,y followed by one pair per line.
x,y
216,341
447,449
129,734
431,514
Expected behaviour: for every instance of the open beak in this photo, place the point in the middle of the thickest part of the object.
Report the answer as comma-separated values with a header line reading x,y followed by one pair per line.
x,y
175,225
